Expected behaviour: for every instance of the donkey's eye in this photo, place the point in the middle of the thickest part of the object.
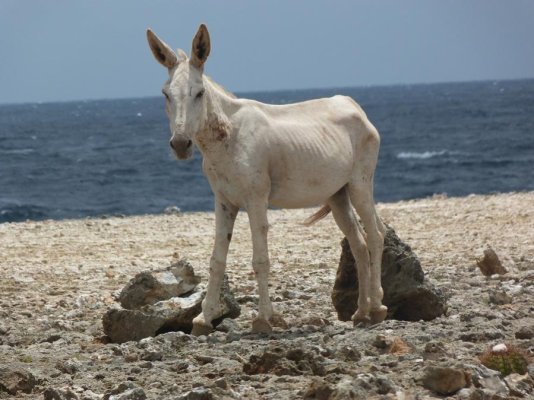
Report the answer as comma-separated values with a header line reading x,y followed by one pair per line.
x,y
199,94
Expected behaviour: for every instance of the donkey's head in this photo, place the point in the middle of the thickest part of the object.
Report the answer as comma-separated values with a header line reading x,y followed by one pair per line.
x,y
184,90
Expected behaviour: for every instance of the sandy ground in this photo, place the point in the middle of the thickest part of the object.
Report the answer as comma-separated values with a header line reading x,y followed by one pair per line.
x,y
58,278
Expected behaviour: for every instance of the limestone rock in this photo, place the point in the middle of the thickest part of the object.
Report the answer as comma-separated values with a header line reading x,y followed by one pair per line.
x,y
520,385
125,391
346,389
444,380
149,287
199,393
123,325
407,294
15,378
488,380
175,314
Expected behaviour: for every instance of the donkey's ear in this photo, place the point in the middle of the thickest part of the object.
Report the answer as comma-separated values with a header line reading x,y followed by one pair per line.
x,y
201,47
162,52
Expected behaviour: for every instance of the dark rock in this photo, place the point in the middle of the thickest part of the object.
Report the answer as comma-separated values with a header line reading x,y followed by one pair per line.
x,y
152,355
221,383
525,332
149,287
407,294
15,378
280,361
490,264
227,325
384,385
59,394
445,380
481,335
232,309
348,353
318,390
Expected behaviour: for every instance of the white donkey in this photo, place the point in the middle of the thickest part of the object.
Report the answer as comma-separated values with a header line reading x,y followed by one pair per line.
x,y
289,156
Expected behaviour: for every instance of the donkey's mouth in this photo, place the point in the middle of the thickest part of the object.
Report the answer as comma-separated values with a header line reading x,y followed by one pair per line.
x,y
183,155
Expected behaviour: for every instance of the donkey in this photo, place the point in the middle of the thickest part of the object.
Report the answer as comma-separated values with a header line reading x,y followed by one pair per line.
x,y
255,155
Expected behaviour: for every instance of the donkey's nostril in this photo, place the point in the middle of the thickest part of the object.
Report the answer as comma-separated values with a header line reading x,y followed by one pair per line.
x,y
189,143
170,144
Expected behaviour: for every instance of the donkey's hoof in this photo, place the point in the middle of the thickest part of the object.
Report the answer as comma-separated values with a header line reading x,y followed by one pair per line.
x,y
277,320
361,319
261,325
378,315
201,329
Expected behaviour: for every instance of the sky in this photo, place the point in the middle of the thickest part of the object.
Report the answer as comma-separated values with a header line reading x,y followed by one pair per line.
x,y
60,50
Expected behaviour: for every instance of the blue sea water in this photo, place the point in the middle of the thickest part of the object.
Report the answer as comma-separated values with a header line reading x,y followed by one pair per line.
x,y
106,157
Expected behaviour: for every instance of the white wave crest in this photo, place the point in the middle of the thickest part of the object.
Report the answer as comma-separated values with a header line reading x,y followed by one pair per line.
x,y
421,156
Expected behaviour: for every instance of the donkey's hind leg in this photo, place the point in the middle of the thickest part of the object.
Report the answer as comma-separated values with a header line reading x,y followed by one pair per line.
x,y
212,308
361,195
348,223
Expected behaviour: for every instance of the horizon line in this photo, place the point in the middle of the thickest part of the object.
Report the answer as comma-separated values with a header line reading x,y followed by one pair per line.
x,y
254,91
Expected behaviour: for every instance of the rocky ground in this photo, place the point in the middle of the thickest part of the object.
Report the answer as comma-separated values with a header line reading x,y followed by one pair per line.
x,y
59,278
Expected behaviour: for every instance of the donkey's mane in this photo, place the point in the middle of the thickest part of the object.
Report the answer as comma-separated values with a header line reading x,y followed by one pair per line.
x,y
220,87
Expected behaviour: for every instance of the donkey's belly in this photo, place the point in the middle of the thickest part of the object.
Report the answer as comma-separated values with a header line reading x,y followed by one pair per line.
x,y
299,191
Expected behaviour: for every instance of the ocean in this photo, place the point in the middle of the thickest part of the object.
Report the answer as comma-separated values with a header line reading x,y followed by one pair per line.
x,y
111,157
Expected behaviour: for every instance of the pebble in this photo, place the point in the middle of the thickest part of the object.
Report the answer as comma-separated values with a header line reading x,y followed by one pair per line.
x,y
198,393
499,348
499,297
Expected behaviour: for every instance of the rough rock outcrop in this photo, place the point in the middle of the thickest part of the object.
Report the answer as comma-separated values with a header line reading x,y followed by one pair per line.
x,y
146,317
15,378
407,294
490,263
445,380
149,287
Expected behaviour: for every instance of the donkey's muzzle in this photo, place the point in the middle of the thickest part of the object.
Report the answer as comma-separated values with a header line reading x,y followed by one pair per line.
x,y
183,148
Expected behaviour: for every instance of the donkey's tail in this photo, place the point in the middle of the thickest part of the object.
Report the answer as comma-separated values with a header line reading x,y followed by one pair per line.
x,y
319,215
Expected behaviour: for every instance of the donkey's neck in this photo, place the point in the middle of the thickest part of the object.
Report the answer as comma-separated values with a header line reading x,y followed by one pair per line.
x,y
220,103
220,106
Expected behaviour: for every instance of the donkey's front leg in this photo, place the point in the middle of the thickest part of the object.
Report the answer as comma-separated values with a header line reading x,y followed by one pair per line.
x,y
225,215
259,227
